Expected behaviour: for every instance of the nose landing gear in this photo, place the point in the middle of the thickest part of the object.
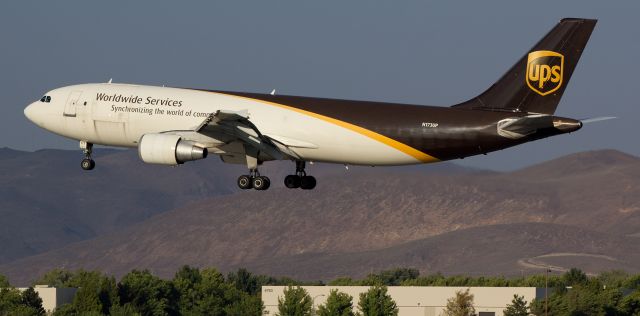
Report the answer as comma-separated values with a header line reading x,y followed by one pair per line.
x,y
300,179
87,163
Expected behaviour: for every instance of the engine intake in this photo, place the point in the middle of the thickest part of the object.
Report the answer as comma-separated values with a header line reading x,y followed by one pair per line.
x,y
168,149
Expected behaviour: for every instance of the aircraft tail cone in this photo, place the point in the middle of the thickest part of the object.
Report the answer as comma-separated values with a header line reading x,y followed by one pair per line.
x,y
566,125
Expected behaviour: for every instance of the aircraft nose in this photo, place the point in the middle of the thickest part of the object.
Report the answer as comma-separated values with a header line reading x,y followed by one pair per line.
x,y
29,112
34,112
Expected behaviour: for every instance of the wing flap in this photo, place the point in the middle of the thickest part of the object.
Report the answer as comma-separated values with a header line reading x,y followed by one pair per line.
x,y
290,142
235,126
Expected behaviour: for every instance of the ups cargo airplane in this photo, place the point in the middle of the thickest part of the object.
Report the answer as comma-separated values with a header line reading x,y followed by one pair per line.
x,y
171,126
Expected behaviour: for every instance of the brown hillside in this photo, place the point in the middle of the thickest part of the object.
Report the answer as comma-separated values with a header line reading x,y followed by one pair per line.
x,y
365,212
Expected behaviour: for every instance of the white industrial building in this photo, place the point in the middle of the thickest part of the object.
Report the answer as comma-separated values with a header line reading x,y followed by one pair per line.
x,y
415,300
53,297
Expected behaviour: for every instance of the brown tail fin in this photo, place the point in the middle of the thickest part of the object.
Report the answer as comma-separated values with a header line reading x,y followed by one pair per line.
x,y
537,81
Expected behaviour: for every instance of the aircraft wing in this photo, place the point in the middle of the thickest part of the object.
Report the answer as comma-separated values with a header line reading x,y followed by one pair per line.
x,y
237,133
233,136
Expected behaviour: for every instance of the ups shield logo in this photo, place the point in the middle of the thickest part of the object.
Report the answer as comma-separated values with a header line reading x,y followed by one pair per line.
x,y
544,71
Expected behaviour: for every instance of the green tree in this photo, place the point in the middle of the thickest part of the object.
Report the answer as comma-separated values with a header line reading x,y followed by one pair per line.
x,y
23,310
65,310
86,300
185,282
431,280
630,305
460,305
56,278
147,294
207,293
10,298
392,277
556,305
4,282
31,299
123,310
633,282
244,281
590,298
213,293
296,302
614,278
344,281
574,277
14,303
245,305
338,304
376,302
518,307
96,292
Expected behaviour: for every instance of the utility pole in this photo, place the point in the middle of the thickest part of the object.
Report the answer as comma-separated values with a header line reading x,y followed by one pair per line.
x,y
546,292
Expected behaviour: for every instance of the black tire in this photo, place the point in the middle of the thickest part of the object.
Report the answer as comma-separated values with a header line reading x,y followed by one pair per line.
x,y
308,183
261,183
292,181
245,182
87,164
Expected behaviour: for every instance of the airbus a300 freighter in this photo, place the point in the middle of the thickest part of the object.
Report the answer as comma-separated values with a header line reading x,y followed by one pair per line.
x,y
171,126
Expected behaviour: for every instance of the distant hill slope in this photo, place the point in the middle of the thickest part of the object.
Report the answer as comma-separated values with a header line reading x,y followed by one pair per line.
x,y
383,210
47,201
508,249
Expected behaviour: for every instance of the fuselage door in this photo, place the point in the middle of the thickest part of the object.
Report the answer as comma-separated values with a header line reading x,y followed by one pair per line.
x,y
72,103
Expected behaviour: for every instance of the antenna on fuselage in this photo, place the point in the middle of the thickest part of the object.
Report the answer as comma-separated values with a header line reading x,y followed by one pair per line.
x,y
110,80
273,92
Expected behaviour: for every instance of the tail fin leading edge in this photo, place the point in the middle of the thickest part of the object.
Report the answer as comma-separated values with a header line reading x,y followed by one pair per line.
x,y
537,81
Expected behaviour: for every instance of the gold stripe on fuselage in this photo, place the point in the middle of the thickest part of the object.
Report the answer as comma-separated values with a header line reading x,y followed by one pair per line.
x,y
417,154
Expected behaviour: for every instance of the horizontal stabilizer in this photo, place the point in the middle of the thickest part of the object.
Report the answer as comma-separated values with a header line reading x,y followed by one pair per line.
x,y
515,128
518,127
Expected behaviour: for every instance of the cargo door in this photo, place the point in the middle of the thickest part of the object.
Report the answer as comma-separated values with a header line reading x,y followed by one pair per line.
x,y
72,103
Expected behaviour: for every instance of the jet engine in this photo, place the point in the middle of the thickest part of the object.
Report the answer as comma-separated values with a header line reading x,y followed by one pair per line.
x,y
168,149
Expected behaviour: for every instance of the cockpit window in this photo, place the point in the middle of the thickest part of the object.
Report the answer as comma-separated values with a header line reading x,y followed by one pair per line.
x,y
46,99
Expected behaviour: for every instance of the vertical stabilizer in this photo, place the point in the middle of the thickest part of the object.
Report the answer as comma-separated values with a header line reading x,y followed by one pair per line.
x,y
535,84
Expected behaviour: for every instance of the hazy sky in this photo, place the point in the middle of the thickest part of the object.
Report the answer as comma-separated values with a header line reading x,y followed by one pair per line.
x,y
422,52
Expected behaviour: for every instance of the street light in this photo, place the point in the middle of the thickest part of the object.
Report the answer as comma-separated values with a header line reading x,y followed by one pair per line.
x,y
313,303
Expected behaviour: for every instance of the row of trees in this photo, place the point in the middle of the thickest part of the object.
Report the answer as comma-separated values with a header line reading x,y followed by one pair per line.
x,y
583,299
376,302
297,302
571,293
412,277
193,291
14,302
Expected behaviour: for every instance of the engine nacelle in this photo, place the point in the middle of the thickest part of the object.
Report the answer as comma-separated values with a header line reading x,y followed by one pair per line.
x,y
168,149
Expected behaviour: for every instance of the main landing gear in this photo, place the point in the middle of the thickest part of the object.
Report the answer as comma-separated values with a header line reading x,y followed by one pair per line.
x,y
300,179
87,163
253,180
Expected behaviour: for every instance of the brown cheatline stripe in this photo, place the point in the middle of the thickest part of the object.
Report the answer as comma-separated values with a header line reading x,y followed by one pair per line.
x,y
417,154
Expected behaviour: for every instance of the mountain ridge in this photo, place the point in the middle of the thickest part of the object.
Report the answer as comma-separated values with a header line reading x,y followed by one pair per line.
x,y
365,211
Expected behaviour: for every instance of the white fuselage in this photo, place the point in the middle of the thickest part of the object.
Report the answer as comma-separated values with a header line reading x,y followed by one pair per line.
x,y
119,115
